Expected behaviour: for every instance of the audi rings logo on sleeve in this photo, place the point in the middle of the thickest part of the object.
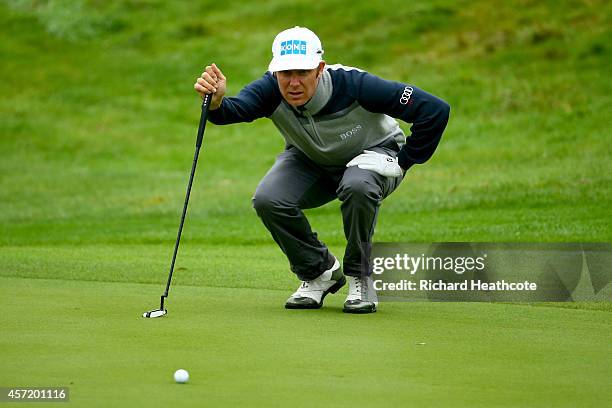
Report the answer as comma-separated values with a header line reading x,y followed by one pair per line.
x,y
406,95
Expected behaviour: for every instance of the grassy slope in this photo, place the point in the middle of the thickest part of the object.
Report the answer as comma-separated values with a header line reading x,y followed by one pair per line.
x,y
97,124
98,132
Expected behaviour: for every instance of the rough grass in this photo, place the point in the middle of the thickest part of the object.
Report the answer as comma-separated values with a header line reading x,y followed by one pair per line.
x,y
100,126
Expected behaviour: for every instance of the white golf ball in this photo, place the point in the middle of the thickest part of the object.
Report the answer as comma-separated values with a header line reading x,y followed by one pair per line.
x,y
181,376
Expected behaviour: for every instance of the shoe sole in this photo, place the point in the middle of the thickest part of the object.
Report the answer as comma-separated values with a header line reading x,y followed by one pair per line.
x,y
333,289
363,310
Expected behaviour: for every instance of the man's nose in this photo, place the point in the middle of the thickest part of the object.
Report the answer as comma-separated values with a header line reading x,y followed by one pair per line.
x,y
294,80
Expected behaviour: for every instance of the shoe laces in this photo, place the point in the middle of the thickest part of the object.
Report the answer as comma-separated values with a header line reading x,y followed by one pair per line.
x,y
313,285
359,285
308,286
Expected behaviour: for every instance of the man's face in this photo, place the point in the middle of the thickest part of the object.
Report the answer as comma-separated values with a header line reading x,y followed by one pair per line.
x,y
297,86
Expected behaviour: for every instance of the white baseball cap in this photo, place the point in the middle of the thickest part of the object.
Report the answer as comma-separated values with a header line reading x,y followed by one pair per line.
x,y
296,48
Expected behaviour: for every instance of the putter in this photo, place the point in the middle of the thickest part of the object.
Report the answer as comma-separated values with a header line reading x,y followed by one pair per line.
x,y
162,311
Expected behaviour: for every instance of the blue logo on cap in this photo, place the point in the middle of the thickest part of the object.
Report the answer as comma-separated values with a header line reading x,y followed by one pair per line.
x,y
293,47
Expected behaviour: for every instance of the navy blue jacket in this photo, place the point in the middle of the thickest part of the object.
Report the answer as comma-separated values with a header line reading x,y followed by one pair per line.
x,y
350,111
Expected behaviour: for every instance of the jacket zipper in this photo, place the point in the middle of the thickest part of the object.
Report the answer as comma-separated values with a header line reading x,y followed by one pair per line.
x,y
314,128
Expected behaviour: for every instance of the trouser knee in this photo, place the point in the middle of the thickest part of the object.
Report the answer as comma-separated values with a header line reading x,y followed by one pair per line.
x,y
359,191
263,203
266,204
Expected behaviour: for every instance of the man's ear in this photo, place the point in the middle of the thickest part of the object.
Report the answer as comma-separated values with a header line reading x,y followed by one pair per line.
x,y
320,68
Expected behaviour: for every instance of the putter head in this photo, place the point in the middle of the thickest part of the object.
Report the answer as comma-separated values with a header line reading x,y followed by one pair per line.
x,y
155,313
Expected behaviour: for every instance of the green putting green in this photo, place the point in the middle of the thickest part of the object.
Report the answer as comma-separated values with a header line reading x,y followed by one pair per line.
x,y
242,348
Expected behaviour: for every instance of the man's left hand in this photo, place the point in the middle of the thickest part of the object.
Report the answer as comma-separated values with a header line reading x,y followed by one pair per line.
x,y
377,162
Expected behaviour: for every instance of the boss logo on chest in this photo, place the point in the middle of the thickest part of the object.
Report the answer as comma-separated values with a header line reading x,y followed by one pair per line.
x,y
350,133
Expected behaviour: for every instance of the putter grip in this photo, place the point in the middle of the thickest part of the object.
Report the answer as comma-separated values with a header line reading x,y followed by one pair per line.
x,y
203,117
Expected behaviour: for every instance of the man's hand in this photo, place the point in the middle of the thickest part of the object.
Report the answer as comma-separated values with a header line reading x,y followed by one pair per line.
x,y
380,163
212,81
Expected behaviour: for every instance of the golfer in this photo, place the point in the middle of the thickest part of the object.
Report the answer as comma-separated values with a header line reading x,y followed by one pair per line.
x,y
342,141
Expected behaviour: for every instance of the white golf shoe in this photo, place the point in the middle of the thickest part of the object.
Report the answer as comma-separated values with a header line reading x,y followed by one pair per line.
x,y
362,296
311,293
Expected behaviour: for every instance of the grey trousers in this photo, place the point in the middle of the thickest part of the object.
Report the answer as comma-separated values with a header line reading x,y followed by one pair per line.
x,y
295,183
